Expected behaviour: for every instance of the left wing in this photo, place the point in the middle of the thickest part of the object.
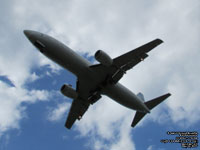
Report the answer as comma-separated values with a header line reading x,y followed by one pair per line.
x,y
132,58
77,110
87,96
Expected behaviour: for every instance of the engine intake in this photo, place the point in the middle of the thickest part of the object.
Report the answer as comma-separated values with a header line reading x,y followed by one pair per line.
x,y
68,91
103,58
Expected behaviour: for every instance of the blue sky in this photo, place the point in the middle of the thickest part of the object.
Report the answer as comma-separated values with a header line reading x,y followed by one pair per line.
x,y
32,109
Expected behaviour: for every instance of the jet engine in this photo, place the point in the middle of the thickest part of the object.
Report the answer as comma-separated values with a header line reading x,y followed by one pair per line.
x,y
68,91
103,58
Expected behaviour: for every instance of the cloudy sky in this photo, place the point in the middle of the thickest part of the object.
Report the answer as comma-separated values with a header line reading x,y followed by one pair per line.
x,y
32,110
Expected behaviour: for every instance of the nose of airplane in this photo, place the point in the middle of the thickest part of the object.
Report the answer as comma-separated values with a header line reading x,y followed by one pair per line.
x,y
31,35
27,33
36,38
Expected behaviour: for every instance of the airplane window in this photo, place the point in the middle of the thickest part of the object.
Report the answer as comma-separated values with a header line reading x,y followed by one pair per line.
x,y
39,45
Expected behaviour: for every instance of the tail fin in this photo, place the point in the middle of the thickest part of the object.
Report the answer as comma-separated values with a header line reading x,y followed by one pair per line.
x,y
140,96
150,104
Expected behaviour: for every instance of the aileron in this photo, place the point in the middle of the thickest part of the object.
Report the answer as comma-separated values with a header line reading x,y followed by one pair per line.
x,y
137,54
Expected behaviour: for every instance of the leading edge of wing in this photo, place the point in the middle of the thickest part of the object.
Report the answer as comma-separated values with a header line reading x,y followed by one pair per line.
x,y
126,61
138,53
77,110
72,116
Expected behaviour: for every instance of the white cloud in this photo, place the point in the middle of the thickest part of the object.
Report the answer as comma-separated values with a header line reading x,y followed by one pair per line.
x,y
150,147
58,113
125,140
17,60
34,77
97,118
153,147
106,123
11,108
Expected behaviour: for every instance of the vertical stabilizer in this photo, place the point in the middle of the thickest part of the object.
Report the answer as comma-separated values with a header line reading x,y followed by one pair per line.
x,y
140,96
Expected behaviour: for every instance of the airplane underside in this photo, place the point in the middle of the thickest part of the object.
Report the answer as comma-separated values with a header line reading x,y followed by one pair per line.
x,y
98,79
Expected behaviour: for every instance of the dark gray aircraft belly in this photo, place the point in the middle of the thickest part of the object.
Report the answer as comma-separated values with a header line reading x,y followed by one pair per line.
x,y
65,57
96,79
73,62
124,96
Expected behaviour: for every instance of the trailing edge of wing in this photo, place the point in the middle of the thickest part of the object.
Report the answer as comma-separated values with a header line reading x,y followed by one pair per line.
x,y
136,55
73,114
125,62
150,104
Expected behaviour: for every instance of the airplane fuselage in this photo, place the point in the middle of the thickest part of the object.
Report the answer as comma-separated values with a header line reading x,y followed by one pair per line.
x,y
80,67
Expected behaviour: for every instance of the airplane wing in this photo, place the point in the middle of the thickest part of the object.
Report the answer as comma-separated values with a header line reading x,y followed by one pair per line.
x,y
77,110
81,104
125,62
87,92
132,58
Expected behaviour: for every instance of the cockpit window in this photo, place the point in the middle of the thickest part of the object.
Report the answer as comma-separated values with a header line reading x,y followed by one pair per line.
x,y
39,45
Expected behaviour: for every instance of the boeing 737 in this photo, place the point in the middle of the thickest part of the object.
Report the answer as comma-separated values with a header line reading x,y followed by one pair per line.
x,y
94,80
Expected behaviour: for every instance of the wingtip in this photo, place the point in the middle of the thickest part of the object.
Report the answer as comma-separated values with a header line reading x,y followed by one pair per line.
x,y
138,116
168,94
68,126
160,41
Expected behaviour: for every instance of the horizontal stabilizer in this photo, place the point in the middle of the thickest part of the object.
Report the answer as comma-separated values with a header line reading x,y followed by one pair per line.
x,y
150,104
154,102
137,118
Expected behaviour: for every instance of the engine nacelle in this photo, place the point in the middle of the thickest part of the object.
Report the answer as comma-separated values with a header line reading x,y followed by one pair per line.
x,y
103,58
68,91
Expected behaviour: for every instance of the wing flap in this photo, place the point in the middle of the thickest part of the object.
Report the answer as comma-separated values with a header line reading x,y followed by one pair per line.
x,y
124,62
135,56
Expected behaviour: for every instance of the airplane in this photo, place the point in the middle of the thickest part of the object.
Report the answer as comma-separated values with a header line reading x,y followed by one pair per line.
x,y
94,80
